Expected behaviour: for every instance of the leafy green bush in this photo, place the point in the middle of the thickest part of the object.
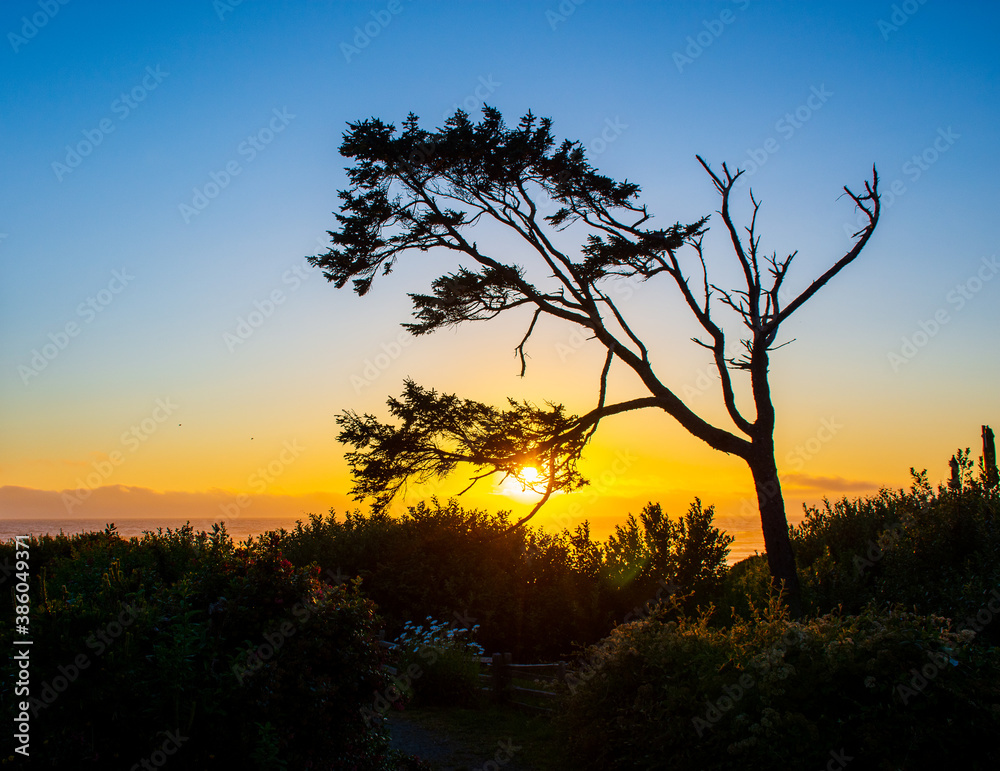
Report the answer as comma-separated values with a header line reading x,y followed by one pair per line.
x,y
892,689
439,663
936,552
747,586
534,594
234,655
687,556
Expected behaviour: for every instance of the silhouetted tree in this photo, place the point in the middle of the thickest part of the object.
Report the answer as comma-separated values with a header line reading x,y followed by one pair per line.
x,y
421,190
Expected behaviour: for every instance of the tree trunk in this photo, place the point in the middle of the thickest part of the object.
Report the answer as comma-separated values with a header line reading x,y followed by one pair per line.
x,y
780,558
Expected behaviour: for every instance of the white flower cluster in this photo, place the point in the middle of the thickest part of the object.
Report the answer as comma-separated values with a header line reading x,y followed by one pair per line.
x,y
438,634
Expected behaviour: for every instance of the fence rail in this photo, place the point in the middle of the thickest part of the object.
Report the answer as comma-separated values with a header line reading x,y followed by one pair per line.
x,y
501,674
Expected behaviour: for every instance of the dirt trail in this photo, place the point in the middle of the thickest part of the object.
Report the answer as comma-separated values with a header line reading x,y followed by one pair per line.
x,y
444,751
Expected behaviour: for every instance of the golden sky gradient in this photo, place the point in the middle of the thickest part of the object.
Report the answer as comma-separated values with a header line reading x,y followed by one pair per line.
x,y
165,347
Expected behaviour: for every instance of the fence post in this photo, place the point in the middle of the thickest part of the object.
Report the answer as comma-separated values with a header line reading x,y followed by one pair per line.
x,y
495,665
989,457
562,671
501,676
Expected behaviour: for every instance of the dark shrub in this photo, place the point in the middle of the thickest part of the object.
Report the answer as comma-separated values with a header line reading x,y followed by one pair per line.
x,y
532,593
893,690
935,552
438,664
228,657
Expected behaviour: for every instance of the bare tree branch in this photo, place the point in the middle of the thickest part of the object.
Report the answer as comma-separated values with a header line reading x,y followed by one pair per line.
x,y
871,196
519,350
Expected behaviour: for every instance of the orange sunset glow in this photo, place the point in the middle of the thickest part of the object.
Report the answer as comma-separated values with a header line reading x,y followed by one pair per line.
x,y
209,389
535,385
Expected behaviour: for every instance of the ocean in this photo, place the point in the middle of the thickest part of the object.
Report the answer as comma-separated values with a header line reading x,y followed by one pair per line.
x,y
748,540
240,529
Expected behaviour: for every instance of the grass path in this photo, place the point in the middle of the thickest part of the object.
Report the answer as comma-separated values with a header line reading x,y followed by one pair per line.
x,y
456,739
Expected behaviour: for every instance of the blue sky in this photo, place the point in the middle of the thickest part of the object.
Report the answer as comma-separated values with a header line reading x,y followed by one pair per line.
x,y
163,102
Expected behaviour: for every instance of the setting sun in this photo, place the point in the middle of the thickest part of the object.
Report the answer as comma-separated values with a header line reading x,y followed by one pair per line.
x,y
525,485
529,475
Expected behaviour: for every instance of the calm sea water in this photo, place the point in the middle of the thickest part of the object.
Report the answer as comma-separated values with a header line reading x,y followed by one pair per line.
x,y
239,529
747,541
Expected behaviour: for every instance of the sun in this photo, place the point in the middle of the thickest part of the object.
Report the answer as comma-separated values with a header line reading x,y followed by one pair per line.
x,y
523,484
528,475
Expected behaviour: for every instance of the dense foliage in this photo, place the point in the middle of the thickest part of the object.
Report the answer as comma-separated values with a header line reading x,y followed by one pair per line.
x,y
532,593
892,689
264,655
438,663
932,551
937,552
183,645
894,665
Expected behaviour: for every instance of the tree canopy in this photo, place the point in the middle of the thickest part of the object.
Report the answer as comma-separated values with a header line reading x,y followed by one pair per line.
x,y
417,190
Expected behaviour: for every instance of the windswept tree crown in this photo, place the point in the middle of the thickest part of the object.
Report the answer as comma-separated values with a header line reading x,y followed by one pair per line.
x,y
404,189
416,190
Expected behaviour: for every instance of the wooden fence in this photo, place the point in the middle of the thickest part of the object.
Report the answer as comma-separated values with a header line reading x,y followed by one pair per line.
x,y
502,676
503,673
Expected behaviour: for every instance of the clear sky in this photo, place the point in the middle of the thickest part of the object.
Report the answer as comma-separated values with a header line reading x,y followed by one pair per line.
x,y
166,168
